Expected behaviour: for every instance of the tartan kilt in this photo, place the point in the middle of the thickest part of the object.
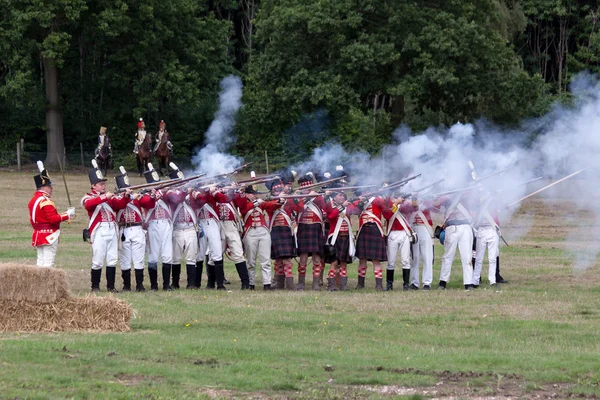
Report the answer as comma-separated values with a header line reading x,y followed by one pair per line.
x,y
342,247
370,244
311,239
282,243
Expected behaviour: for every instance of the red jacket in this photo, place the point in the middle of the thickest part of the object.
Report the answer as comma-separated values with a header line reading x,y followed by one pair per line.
x,y
306,215
333,215
289,207
405,209
253,215
375,207
208,199
106,214
174,198
44,218
132,210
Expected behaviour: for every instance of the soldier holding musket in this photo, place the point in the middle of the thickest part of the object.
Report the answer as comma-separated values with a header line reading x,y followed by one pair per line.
x,y
102,229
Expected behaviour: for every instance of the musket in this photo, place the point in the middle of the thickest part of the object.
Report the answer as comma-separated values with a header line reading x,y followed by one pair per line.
x,y
345,188
456,191
322,183
160,184
291,196
477,179
392,186
65,181
545,187
247,182
519,184
434,184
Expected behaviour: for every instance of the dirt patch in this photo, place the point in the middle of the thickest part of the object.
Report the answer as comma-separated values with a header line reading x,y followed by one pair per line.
x,y
136,379
476,385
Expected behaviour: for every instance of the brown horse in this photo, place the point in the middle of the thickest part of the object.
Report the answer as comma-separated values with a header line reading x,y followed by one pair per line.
x,y
144,155
104,156
163,154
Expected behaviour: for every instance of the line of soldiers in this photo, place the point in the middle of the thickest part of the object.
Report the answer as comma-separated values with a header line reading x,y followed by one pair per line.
x,y
189,225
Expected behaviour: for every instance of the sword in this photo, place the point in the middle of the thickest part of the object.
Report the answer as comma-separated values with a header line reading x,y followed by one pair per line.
x,y
65,181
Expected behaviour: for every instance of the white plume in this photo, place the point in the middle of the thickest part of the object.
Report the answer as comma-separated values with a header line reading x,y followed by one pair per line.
x,y
122,169
40,166
252,174
173,166
150,167
94,164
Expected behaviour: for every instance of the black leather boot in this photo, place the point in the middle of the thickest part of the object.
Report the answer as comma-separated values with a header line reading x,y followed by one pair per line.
x,y
242,270
166,273
389,279
139,280
111,274
126,275
405,279
96,277
153,275
190,269
210,276
198,276
176,273
361,283
499,278
220,275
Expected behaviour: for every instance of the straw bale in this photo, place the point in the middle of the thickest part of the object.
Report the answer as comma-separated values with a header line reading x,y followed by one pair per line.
x,y
28,283
73,314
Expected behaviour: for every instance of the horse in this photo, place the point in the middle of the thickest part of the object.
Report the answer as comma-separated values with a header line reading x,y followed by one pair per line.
x,y
144,155
104,157
163,153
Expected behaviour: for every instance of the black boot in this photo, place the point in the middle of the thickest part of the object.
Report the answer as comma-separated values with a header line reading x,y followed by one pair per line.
x,y
96,277
126,275
242,270
220,275
389,279
166,273
199,268
153,275
210,276
499,278
361,283
190,269
405,279
176,273
139,280
111,274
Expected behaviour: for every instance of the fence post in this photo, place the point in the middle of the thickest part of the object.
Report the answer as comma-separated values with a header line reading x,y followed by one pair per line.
x,y
267,161
22,145
18,156
81,151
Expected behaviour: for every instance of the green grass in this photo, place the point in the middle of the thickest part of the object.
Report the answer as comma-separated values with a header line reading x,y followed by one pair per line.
x,y
541,329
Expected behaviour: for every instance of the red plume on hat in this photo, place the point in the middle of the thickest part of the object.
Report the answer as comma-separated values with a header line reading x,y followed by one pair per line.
x,y
141,123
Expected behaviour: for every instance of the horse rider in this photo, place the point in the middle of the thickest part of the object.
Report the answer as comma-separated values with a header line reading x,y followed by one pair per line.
x,y
102,138
140,135
162,131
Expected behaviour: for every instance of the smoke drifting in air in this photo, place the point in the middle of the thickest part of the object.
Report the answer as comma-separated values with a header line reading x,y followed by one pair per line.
x,y
213,158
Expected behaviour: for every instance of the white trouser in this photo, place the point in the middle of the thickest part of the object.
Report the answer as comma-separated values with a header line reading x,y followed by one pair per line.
x,y
160,241
398,240
211,239
133,249
105,245
46,254
258,243
460,236
422,250
233,241
185,242
486,237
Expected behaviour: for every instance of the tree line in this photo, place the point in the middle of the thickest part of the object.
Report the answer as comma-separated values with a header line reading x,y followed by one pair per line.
x,y
313,70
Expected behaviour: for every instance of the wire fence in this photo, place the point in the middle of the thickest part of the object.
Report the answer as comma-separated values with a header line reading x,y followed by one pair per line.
x,y
17,159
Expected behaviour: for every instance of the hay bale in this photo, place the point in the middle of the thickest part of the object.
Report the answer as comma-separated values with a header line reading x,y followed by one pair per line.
x,y
73,314
27,283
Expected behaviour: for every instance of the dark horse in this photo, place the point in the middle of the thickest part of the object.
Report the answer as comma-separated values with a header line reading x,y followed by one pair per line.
x,y
104,157
163,154
144,155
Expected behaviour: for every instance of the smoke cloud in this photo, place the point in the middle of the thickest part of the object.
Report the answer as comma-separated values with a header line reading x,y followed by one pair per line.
x,y
213,158
565,140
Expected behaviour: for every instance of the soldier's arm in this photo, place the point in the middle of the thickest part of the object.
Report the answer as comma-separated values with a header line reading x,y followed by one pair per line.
x,y
50,214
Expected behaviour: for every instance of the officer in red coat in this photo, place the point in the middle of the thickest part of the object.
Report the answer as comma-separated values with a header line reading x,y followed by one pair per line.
x,y
45,220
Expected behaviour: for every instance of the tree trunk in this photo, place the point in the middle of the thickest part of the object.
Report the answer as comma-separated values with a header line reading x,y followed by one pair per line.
x,y
54,134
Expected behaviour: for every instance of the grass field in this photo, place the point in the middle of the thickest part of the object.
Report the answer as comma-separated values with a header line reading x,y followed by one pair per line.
x,y
537,337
